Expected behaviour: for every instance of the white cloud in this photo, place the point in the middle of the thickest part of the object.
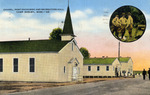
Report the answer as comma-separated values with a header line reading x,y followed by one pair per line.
x,y
58,15
89,11
26,26
94,24
27,14
78,14
23,28
6,15
75,15
83,22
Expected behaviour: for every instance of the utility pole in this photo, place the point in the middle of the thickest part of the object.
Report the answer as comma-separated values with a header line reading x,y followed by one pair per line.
x,y
118,50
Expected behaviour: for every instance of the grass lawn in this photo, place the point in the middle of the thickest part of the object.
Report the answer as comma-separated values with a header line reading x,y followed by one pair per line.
x,y
136,34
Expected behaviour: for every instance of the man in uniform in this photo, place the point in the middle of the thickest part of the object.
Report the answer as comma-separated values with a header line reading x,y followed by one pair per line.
x,y
129,24
144,73
123,22
149,73
116,25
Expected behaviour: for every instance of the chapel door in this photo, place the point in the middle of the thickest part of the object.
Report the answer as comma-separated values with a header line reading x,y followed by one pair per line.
x,y
116,72
75,73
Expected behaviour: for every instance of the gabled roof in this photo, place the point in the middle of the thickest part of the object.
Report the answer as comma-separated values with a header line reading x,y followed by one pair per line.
x,y
68,29
124,59
32,46
102,61
72,59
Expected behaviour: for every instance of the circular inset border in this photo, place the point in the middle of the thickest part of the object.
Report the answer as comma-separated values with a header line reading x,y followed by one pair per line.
x,y
127,23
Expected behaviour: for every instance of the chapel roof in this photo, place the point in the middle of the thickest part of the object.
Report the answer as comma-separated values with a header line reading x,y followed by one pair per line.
x,y
32,46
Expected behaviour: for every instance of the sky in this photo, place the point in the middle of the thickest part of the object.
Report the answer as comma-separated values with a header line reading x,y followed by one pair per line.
x,y
90,20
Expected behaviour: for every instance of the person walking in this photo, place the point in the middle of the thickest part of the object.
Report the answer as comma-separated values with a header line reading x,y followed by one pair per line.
x,y
115,25
144,73
149,73
129,24
123,22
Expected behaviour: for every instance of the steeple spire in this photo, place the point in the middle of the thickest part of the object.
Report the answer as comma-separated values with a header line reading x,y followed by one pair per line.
x,y
68,29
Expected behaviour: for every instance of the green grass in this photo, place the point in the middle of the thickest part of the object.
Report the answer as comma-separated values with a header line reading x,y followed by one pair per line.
x,y
106,61
136,34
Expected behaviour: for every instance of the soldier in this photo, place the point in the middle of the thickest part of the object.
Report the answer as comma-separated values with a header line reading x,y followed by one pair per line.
x,y
123,22
144,73
129,24
116,25
149,73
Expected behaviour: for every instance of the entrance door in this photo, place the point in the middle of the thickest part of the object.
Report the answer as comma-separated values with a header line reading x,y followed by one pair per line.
x,y
116,72
75,73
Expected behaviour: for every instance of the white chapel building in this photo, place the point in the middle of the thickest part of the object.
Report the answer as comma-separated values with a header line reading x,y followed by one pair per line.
x,y
42,60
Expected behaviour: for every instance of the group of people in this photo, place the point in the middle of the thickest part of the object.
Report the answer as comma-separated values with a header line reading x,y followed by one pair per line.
x,y
144,74
119,25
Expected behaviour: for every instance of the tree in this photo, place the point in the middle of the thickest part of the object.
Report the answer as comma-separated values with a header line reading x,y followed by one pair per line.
x,y
55,34
85,52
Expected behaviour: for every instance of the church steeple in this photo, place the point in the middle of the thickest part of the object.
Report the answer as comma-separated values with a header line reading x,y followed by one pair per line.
x,y
68,33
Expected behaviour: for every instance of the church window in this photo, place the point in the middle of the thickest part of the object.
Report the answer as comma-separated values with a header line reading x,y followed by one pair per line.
x,y
15,63
1,65
32,65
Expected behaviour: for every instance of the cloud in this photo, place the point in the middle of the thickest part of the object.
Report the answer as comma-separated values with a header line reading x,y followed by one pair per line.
x,y
22,28
6,15
58,15
78,14
88,11
27,14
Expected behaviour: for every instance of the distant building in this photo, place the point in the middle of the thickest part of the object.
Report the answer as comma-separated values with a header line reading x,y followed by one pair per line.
x,y
100,67
42,60
107,67
126,66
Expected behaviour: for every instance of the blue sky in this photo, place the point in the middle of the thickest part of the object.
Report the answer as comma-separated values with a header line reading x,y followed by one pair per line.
x,y
90,25
97,5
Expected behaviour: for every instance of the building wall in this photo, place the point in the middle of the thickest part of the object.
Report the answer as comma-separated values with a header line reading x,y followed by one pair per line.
x,y
116,64
65,55
102,71
49,67
46,67
66,37
128,67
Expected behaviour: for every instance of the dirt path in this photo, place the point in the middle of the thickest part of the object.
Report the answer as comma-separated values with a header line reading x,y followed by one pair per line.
x,y
11,87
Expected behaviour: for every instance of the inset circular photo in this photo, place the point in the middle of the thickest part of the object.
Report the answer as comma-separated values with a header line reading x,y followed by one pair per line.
x,y
127,24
